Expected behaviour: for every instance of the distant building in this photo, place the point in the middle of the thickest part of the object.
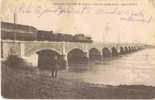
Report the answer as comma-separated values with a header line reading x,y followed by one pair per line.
x,y
16,31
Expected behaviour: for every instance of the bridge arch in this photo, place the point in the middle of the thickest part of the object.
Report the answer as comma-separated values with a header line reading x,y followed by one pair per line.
x,y
133,48
129,49
33,51
122,51
106,52
114,51
77,57
126,49
46,58
94,54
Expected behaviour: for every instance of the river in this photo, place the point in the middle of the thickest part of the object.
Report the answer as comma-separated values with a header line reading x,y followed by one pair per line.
x,y
136,68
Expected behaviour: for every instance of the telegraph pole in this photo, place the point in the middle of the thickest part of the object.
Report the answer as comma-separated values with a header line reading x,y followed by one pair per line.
x,y
107,29
14,21
12,50
118,40
105,34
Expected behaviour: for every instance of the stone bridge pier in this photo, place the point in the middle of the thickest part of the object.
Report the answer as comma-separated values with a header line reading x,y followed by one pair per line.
x,y
39,53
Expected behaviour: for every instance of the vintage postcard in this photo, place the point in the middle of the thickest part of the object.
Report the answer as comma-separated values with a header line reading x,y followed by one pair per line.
x,y
78,49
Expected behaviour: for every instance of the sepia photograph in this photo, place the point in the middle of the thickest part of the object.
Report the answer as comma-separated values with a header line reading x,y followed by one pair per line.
x,y
77,49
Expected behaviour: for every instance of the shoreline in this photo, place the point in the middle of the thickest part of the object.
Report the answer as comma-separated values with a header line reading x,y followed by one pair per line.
x,y
24,84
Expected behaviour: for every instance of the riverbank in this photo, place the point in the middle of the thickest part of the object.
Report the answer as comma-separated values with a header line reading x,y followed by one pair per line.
x,y
19,83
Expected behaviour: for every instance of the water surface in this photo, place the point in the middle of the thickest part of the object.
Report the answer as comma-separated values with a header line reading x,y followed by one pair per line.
x,y
135,68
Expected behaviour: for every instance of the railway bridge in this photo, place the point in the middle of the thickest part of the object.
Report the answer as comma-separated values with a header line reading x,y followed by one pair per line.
x,y
38,53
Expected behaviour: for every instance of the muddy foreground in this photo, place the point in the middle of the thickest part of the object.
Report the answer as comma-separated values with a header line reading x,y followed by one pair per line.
x,y
19,83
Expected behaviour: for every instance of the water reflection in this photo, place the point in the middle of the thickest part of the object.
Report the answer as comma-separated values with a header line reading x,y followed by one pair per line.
x,y
134,68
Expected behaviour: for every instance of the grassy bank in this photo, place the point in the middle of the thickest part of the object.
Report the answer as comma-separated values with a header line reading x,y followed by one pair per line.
x,y
19,83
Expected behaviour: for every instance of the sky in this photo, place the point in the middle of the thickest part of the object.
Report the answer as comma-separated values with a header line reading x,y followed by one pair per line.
x,y
103,20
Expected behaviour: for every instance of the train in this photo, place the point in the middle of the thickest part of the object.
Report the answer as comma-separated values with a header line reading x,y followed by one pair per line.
x,y
28,33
